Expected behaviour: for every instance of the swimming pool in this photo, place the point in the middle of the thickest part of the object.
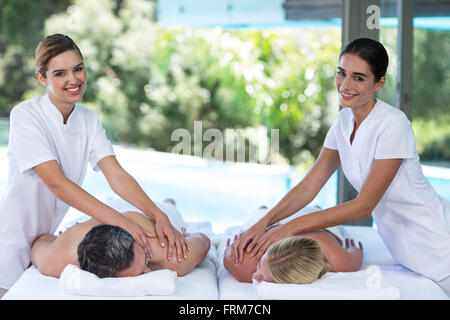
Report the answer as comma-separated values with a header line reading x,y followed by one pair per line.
x,y
225,194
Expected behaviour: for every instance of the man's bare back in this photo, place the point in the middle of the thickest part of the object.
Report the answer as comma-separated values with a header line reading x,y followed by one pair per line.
x,y
52,254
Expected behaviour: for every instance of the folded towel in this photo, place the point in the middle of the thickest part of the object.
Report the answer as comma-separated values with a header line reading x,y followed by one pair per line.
x,y
79,282
366,284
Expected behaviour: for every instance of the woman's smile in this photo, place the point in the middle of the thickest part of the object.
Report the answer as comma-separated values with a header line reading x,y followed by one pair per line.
x,y
346,96
74,90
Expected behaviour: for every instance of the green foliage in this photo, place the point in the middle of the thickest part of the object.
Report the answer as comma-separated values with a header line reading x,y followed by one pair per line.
x,y
431,95
146,81
432,144
21,28
388,37
14,64
300,96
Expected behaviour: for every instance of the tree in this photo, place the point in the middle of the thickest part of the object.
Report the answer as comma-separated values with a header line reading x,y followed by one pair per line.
x,y
21,29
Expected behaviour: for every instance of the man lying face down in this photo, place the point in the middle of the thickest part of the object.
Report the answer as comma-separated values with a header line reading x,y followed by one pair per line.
x,y
110,251
299,259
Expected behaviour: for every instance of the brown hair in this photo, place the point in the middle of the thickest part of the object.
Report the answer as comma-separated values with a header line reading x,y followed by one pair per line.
x,y
296,260
50,47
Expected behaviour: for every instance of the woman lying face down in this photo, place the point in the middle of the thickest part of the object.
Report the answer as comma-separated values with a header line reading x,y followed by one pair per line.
x,y
299,259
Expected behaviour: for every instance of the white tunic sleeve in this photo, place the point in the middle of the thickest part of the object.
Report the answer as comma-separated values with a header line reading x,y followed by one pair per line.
x,y
28,141
101,146
330,139
395,139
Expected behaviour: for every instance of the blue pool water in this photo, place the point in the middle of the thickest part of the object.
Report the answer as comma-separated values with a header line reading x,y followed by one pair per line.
x,y
259,15
441,185
225,194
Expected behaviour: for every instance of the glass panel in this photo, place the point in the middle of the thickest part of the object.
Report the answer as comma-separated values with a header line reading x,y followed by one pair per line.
x,y
431,82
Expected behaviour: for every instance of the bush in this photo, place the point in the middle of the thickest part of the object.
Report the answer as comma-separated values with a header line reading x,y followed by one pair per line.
x,y
147,81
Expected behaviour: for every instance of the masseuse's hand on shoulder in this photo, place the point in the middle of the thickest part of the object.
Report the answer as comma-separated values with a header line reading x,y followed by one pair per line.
x,y
51,173
271,236
247,240
124,185
139,234
171,238
255,240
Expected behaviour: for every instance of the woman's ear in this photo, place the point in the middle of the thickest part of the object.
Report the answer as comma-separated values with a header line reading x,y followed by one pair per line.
x,y
380,83
41,78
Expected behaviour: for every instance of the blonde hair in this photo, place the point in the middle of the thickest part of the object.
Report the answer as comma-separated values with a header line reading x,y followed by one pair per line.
x,y
296,260
50,47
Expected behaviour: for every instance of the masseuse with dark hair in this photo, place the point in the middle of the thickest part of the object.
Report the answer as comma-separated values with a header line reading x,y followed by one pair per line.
x,y
374,144
51,141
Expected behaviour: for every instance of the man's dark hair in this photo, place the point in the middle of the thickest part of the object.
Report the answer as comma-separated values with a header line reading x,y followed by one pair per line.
x,y
106,250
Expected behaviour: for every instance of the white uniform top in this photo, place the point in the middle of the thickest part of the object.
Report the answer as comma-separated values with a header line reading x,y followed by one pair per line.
x,y
28,208
411,218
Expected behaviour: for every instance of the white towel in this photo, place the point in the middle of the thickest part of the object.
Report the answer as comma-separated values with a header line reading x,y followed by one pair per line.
x,y
366,284
79,282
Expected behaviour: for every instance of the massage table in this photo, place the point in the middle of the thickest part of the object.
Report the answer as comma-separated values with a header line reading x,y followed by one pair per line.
x,y
410,285
211,281
199,284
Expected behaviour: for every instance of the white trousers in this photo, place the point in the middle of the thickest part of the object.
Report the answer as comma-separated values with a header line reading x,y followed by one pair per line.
x,y
445,285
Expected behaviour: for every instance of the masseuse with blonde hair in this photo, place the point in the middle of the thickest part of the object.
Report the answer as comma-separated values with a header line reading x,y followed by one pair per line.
x,y
374,144
52,139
